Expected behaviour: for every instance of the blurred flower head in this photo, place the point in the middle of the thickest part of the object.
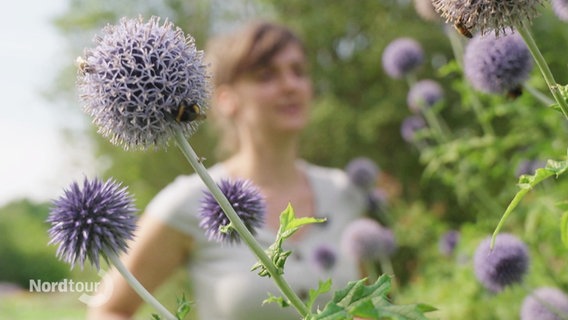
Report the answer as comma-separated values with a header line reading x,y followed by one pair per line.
x,y
92,219
424,94
529,167
402,56
141,80
489,15
448,242
560,9
545,303
324,258
497,64
410,125
363,172
248,203
505,265
366,240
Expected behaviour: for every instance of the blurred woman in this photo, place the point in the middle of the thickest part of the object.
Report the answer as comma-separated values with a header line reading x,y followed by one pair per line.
x,y
261,103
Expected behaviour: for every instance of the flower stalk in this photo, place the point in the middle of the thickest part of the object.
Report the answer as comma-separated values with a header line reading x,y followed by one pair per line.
x,y
238,224
544,69
137,286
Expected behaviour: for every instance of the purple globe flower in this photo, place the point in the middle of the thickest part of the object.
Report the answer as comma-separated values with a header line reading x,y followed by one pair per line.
x,y
92,219
505,265
410,126
143,80
324,258
424,94
497,64
545,303
489,15
363,172
402,56
560,9
448,242
248,203
529,166
366,240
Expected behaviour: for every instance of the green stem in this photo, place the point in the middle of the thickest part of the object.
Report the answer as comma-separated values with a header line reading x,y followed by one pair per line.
x,y
387,268
137,286
238,224
544,69
538,95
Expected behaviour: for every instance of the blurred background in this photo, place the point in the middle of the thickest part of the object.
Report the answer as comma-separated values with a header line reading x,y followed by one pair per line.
x,y
463,182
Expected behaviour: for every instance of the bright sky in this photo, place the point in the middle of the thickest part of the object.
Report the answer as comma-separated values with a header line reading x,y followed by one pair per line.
x,y
35,161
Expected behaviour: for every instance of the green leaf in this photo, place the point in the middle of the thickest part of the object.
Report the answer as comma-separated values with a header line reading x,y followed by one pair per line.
x,y
289,224
183,308
323,287
527,183
283,303
370,302
155,316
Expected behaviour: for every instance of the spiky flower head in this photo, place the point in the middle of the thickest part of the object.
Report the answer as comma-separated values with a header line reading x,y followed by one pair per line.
x,y
410,126
91,219
402,56
141,81
248,203
505,265
497,64
363,172
424,94
366,240
488,15
545,303
324,258
560,9
448,242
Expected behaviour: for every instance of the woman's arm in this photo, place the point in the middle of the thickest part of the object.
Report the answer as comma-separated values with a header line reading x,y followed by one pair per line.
x,y
154,254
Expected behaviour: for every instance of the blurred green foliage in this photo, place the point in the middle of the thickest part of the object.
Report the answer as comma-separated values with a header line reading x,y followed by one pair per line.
x,y
24,253
464,183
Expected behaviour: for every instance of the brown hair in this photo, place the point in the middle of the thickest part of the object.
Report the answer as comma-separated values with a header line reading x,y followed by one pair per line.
x,y
239,53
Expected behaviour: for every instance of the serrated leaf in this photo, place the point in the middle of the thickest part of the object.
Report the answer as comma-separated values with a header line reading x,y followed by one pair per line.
x,y
183,308
283,303
370,302
289,224
323,287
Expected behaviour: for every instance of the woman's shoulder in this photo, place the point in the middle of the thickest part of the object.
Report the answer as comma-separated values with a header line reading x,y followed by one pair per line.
x,y
327,175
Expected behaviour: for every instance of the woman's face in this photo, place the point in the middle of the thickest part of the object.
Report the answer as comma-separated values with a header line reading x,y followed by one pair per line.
x,y
276,97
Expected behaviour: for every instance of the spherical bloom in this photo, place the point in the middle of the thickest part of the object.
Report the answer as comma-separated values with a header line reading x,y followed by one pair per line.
x,y
560,8
545,303
497,64
424,94
142,80
248,203
365,239
448,242
489,15
506,264
402,56
410,126
97,217
363,172
324,258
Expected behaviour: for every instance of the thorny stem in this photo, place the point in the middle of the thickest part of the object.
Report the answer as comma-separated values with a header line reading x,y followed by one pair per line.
x,y
238,224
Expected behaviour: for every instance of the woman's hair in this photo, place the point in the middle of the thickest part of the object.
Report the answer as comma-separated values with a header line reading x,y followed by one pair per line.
x,y
239,53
